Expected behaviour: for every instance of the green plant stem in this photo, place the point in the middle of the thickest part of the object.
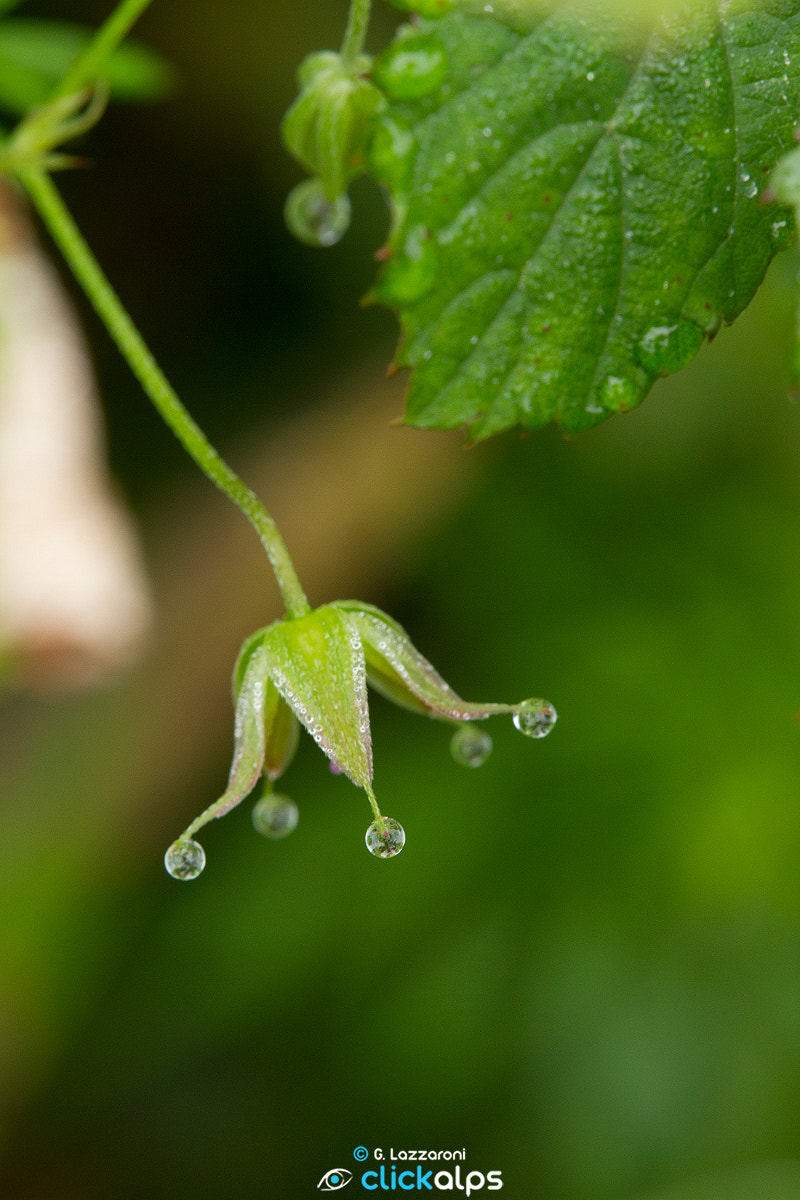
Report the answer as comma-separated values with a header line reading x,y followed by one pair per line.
x,y
356,31
90,62
72,245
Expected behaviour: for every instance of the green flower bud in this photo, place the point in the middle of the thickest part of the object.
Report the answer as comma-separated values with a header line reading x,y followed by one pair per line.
x,y
327,126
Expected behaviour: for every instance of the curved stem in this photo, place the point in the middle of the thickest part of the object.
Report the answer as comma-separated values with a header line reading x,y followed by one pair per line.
x,y
356,31
69,240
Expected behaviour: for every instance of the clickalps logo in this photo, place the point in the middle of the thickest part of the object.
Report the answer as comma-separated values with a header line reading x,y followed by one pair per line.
x,y
393,1173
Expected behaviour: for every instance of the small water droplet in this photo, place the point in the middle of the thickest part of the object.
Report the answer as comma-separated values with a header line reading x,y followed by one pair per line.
x,y
385,837
185,859
619,393
470,747
275,816
313,218
535,718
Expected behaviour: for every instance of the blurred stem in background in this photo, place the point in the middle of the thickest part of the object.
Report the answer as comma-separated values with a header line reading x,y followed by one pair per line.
x,y
88,66
73,246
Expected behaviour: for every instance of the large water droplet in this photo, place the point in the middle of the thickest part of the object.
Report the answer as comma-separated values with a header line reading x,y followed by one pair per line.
x,y
667,348
412,272
385,837
313,218
470,747
535,718
185,859
619,393
392,151
412,67
275,816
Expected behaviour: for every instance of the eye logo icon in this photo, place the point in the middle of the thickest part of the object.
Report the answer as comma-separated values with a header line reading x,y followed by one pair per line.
x,y
334,1179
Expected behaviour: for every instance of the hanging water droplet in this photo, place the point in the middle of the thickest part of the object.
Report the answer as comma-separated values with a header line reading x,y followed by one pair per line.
x,y
385,837
275,816
185,859
470,747
535,718
313,218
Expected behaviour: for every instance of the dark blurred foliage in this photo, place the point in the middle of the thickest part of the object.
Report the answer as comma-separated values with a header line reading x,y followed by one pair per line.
x,y
585,966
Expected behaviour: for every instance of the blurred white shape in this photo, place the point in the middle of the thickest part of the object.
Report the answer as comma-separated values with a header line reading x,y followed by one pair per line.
x,y
74,601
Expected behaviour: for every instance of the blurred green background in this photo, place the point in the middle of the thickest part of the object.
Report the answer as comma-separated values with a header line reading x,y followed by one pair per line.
x,y
585,967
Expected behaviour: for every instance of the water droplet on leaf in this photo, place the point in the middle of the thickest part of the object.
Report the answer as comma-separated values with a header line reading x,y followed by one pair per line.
x,y
470,747
667,348
412,272
275,816
412,67
385,837
535,718
185,859
313,218
619,393
392,151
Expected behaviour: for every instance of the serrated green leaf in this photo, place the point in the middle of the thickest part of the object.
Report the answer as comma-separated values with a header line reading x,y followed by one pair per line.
x,y
35,55
577,206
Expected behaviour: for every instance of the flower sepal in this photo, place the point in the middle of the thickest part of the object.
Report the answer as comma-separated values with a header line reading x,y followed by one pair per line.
x,y
397,669
313,670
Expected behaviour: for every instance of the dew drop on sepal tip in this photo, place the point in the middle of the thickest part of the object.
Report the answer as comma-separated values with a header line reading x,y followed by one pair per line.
x,y
185,859
313,218
535,718
385,837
